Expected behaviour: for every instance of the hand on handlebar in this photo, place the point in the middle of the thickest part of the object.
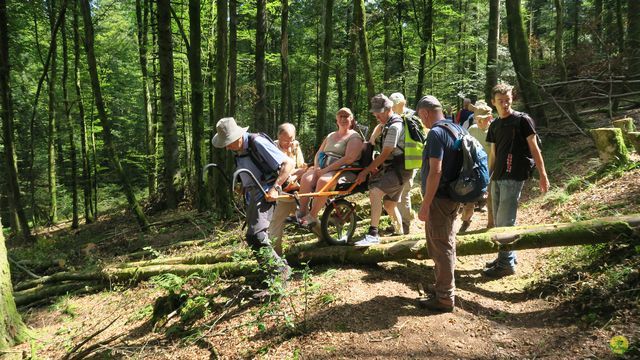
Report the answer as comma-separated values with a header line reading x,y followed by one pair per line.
x,y
272,195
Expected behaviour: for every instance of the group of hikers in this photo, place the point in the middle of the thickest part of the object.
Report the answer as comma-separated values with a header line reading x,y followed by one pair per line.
x,y
510,140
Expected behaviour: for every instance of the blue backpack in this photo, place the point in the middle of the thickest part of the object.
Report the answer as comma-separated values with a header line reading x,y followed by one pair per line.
x,y
473,179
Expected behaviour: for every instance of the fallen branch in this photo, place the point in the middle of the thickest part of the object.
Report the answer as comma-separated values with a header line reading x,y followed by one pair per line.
x,y
88,338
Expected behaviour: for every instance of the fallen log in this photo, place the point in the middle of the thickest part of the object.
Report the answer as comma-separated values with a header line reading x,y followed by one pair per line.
x,y
317,252
484,242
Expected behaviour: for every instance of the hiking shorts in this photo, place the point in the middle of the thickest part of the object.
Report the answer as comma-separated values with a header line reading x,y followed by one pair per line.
x,y
390,182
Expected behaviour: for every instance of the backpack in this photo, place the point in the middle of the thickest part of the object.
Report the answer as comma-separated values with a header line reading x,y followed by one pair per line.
x,y
414,139
473,179
268,174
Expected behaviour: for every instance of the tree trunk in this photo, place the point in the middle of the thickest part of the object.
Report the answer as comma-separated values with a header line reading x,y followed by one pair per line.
x,y
102,114
71,126
286,113
425,28
168,103
233,56
492,49
261,120
400,12
12,329
361,24
7,130
597,22
620,26
221,190
562,69
491,241
610,145
197,102
142,21
313,252
86,171
352,62
51,130
519,49
339,89
576,24
325,62
386,43
632,55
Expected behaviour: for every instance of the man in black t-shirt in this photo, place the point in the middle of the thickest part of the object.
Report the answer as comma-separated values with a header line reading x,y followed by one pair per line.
x,y
514,151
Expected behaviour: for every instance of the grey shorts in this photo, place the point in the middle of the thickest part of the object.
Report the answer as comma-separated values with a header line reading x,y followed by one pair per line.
x,y
388,181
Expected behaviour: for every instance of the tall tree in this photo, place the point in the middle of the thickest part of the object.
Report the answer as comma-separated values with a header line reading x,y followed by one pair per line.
x,y
70,125
221,193
286,109
562,69
261,111
519,50
233,55
619,27
51,129
102,115
360,22
632,54
352,61
425,31
197,100
12,330
168,102
492,49
6,113
89,215
325,62
142,21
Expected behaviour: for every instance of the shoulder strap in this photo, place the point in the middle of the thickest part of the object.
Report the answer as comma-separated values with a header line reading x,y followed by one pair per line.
x,y
256,157
451,129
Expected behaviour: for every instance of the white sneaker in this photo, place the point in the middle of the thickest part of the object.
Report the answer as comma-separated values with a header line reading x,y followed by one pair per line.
x,y
367,241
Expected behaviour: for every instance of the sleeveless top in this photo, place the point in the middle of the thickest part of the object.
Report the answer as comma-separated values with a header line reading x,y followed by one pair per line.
x,y
337,149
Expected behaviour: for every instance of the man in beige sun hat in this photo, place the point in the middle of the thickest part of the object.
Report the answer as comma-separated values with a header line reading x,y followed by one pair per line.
x,y
482,116
271,167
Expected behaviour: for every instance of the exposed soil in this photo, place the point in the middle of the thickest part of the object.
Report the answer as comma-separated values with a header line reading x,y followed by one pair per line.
x,y
353,312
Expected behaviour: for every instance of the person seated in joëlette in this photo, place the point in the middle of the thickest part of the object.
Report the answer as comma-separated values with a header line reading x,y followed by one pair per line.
x,y
340,148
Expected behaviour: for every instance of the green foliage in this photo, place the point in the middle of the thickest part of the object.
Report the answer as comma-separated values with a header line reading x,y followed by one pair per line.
x,y
64,305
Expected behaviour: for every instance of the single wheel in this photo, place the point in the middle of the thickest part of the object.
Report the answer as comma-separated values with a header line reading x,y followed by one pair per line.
x,y
338,222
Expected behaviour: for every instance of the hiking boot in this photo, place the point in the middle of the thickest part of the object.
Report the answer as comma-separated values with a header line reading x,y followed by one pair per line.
x,y
465,226
498,271
494,262
432,303
367,241
406,228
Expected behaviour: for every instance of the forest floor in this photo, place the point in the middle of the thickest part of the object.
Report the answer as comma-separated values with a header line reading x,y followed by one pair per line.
x,y
563,303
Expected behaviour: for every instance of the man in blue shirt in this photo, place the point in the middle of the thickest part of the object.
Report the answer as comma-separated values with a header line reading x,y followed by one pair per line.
x,y
247,148
441,163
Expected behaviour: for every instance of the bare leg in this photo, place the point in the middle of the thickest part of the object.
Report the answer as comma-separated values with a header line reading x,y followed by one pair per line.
x,y
306,186
320,201
375,196
396,218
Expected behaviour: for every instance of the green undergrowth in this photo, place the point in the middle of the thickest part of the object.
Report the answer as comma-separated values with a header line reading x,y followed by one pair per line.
x,y
599,283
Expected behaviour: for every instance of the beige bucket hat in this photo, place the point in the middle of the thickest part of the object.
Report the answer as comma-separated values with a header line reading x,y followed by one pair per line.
x,y
227,131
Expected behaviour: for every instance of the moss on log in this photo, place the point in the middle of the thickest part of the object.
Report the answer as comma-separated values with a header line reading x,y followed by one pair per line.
x,y
610,145
12,329
627,126
490,241
634,139
317,252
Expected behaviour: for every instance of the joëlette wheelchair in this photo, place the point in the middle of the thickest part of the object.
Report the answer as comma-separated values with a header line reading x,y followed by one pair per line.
x,y
339,219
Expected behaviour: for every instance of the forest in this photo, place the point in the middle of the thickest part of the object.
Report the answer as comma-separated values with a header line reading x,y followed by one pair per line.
x,y
108,109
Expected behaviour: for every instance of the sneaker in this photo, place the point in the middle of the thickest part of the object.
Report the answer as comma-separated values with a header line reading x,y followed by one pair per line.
x,y
498,271
465,226
367,241
432,303
419,245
